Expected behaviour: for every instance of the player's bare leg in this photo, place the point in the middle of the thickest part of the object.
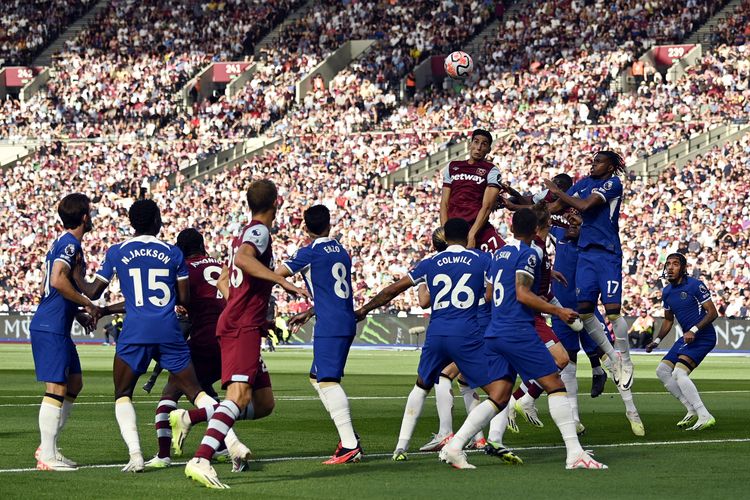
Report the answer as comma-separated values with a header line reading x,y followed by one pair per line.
x,y
125,380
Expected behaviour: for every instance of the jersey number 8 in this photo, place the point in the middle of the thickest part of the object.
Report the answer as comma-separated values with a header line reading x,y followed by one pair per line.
x,y
340,285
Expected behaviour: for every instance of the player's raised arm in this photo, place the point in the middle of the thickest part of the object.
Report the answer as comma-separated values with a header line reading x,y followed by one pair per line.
x,y
384,296
579,204
488,204
666,326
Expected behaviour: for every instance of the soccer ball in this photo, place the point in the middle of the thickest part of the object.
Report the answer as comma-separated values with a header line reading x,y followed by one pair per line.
x,y
458,65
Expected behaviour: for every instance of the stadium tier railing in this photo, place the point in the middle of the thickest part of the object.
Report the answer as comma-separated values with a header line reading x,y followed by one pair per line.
x,y
332,65
684,151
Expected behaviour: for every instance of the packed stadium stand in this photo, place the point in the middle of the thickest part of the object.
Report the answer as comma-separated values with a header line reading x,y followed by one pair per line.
x,y
546,81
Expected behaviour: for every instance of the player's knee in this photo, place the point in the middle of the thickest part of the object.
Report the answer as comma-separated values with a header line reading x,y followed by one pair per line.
x,y
449,378
572,355
74,388
328,382
664,371
124,393
423,385
683,366
264,408
614,316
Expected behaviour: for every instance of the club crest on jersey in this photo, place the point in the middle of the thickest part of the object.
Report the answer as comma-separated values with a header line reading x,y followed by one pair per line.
x,y
607,186
702,289
683,295
70,250
481,171
532,260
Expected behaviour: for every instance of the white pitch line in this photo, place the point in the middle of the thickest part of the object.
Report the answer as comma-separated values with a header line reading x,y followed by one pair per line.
x,y
311,398
384,455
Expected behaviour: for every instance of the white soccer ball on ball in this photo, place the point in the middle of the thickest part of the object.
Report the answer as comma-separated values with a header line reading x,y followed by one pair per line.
x,y
458,65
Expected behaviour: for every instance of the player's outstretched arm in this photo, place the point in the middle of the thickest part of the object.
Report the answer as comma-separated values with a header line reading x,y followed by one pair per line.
x,y
528,298
246,260
591,200
488,204
298,320
384,296
444,197
423,295
116,308
666,326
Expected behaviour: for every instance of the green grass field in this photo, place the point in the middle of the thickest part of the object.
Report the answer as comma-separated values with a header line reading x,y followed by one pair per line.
x,y
290,444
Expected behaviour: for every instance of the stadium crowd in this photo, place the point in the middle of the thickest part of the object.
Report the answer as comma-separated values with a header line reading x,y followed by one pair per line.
x,y
27,28
326,155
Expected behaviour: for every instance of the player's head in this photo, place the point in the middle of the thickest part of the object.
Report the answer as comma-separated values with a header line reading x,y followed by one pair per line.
x,y
318,220
75,210
606,163
261,196
456,231
542,215
573,230
481,142
438,239
145,217
190,241
524,224
675,268
563,181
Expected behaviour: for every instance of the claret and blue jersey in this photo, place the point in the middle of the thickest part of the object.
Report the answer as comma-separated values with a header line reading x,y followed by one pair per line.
x,y
148,270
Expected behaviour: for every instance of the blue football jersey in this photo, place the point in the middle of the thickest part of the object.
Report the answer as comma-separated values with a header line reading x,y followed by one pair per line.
x,y
507,313
327,269
566,260
600,223
148,270
456,280
55,314
686,302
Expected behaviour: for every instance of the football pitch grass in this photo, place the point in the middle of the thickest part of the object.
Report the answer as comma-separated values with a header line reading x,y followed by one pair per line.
x,y
290,445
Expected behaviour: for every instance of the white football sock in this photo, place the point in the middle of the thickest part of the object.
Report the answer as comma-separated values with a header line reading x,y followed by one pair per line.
x,y
690,391
413,409
125,414
475,421
568,375
596,331
620,326
338,407
664,372
498,424
49,425
559,409
627,398
316,386
471,401
67,407
444,401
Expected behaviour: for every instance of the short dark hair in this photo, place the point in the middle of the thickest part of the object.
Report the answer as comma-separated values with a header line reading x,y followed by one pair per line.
x,y
145,216
438,239
524,222
72,208
261,195
317,219
456,229
483,133
563,181
190,241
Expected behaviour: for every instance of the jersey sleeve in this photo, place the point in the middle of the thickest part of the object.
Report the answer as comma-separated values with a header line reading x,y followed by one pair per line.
x,y
576,188
107,269
527,263
493,177
610,190
447,175
419,273
702,293
68,252
258,237
301,259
